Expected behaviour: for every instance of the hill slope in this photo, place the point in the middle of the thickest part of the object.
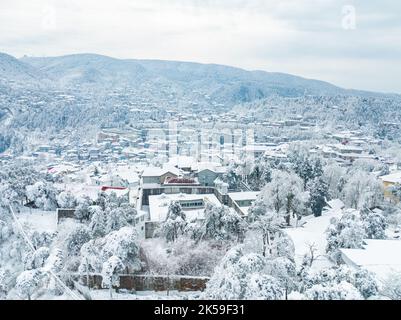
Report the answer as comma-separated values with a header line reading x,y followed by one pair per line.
x,y
221,83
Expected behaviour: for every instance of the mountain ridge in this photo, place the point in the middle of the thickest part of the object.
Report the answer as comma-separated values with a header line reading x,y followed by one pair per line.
x,y
223,84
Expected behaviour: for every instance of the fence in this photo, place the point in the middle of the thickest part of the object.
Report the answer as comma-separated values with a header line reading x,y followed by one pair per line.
x,y
147,282
65,213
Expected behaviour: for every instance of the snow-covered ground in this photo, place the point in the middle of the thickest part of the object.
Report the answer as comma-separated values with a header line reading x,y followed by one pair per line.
x,y
104,294
313,232
143,295
38,220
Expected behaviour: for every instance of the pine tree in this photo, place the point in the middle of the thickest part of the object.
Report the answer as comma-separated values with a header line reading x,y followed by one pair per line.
x,y
82,211
28,282
110,273
175,222
318,192
97,225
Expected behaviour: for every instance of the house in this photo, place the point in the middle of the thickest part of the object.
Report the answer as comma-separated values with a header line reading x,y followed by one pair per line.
x,y
241,201
184,163
119,191
381,257
192,204
255,151
389,181
207,173
156,175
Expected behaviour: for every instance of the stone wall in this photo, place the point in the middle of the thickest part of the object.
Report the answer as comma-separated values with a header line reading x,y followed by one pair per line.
x,y
149,282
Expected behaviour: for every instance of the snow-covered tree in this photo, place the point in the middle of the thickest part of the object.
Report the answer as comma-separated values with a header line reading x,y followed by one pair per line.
x,y
285,195
5,282
40,239
102,200
115,219
337,291
284,270
240,276
110,271
98,221
283,246
8,196
183,257
318,192
257,209
267,224
122,243
226,282
305,166
36,259
76,239
363,189
28,282
20,177
375,224
335,177
129,212
232,176
55,262
42,195
66,200
365,282
362,280
263,287
392,286
396,191
260,175
221,223
82,210
175,222
346,232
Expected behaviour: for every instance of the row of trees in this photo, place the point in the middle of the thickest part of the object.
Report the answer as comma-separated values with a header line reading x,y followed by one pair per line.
x,y
249,275
220,223
308,182
106,229
352,228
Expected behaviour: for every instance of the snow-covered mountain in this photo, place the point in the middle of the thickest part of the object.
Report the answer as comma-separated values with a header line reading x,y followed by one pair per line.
x,y
87,90
89,69
12,69
223,84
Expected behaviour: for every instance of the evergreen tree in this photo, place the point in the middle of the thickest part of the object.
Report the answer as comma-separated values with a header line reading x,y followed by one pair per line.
x,y
175,222
318,192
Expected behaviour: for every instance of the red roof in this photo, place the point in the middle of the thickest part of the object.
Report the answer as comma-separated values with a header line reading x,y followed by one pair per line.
x,y
104,188
180,180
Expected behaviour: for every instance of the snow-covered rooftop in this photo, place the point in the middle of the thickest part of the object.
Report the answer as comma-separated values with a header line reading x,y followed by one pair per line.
x,y
247,195
81,190
212,166
182,162
158,205
127,173
313,232
379,256
392,177
157,171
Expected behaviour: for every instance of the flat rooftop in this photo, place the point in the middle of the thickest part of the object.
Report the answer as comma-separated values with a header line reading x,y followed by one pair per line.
x,y
247,195
158,205
392,177
379,256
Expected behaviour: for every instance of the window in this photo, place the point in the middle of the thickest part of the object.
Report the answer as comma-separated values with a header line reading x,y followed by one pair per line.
x,y
192,204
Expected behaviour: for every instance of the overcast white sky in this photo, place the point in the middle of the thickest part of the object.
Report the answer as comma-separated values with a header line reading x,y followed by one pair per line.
x,y
312,38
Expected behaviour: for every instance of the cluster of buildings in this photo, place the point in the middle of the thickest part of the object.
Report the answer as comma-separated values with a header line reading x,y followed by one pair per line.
x,y
151,189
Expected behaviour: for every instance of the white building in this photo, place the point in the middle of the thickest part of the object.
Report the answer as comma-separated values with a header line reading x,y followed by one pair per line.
x,y
192,204
381,257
